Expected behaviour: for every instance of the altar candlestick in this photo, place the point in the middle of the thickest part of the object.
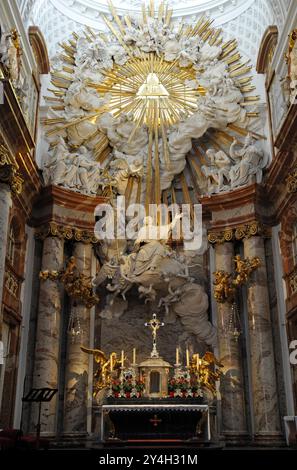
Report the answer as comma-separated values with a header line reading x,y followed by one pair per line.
x,y
188,358
177,356
111,363
197,362
134,355
122,358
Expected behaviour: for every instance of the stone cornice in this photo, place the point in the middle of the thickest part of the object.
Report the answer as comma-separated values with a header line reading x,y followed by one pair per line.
x,y
66,214
231,200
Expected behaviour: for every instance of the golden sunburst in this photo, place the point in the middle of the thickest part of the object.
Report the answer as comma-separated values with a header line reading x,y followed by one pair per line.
x,y
151,91
155,93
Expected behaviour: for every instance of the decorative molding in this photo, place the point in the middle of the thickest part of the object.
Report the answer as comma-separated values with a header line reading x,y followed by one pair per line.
x,y
52,229
286,139
38,44
291,182
293,282
237,233
9,171
267,49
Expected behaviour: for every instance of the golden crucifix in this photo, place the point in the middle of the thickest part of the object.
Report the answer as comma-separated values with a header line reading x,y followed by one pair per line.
x,y
154,324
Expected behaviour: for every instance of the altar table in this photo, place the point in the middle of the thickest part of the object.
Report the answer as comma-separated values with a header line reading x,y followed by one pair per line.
x,y
141,422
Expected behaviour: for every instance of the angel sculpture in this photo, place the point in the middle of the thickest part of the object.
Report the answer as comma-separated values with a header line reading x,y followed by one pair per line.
x,y
224,290
103,373
209,370
123,169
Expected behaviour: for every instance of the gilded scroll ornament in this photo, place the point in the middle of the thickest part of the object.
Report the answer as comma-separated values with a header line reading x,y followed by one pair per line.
x,y
238,233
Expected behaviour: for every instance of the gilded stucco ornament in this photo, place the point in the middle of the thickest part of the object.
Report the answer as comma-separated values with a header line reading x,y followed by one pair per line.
x,y
52,229
291,182
77,285
238,233
226,284
9,171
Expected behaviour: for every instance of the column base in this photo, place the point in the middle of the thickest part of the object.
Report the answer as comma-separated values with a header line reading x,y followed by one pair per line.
x,y
269,439
239,438
71,440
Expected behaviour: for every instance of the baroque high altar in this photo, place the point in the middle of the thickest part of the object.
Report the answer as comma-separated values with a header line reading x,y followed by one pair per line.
x,y
154,111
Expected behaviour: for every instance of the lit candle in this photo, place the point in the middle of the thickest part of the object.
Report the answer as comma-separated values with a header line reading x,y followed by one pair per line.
x,y
134,355
111,363
197,362
122,358
177,356
188,358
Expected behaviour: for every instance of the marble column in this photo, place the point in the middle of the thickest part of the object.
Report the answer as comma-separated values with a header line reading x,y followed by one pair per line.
x,y
46,365
234,422
77,362
266,410
5,204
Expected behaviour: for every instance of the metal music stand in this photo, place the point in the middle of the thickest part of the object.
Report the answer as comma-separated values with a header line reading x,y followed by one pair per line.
x,y
39,395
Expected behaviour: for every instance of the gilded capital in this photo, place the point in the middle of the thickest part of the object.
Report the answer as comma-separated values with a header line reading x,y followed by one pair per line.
x,y
237,233
65,232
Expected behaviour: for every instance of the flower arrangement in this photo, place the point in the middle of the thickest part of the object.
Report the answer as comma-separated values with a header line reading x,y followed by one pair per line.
x,y
139,386
116,387
127,385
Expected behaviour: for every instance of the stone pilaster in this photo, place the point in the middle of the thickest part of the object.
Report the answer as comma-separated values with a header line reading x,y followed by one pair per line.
x,y
46,365
5,204
266,410
77,362
234,422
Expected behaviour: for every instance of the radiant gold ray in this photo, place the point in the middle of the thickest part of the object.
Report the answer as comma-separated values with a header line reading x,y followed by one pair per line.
x,y
91,32
53,99
74,123
69,70
186,193
152,8
144,15
57,92
88,38
173,196
128,21
68,49
129,190
138,194
234,58
253,115
238,66
241,71
161,11
168,17
68,59
149,174
247,89
156,160
116,17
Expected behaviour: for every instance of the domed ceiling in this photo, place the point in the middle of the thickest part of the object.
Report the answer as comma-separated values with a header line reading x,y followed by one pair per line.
x,y
245,19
